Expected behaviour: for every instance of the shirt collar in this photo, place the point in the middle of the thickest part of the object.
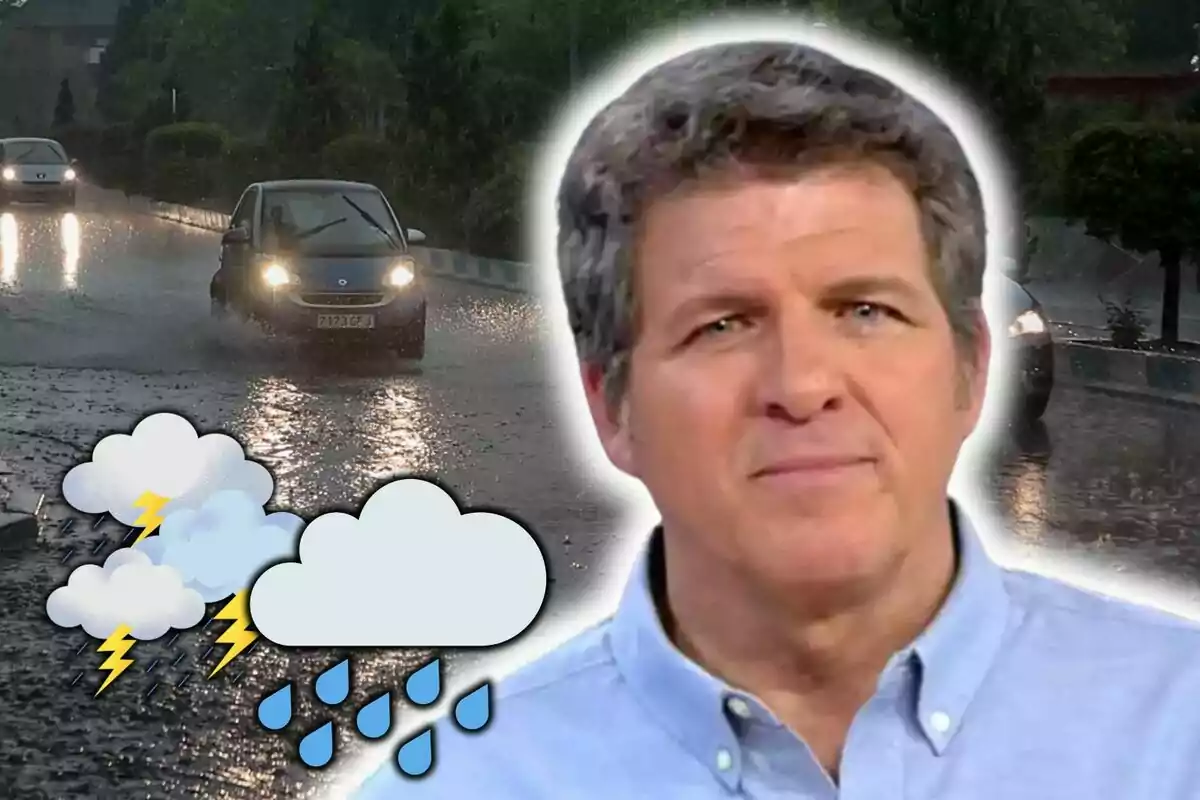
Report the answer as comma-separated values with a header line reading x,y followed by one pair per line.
x,y
953,656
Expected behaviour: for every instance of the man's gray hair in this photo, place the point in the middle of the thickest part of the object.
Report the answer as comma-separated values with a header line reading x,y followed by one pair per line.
x,y
773,106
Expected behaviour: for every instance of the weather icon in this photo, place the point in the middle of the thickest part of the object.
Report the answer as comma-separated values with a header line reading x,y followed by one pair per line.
x,y
204,499
162,467
219,548
129,598
411,570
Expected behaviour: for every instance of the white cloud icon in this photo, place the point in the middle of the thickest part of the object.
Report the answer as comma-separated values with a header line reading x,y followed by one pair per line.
x,y
410,571
166,456
220,547
127,590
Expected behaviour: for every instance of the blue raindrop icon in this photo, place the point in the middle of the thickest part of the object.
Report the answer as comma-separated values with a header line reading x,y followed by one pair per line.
x,y
415,756
424,686
473,710
275,710
375,718
316,749
333,685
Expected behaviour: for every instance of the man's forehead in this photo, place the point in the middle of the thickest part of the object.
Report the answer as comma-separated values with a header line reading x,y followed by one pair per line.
x,y
803,213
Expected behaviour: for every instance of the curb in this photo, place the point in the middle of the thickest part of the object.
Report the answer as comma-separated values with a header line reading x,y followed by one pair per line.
x,y
495,273
1174,380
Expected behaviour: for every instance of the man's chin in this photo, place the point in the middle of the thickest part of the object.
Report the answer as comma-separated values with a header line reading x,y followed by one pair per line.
x,y
832,544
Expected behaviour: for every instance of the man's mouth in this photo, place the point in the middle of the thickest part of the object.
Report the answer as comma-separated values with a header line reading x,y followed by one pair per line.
x,y
814,469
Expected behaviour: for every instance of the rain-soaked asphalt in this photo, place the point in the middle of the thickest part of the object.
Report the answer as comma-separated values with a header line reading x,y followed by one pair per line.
x,y
104,318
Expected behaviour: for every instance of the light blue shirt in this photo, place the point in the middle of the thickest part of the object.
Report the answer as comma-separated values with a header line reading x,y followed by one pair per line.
x,y
1022,688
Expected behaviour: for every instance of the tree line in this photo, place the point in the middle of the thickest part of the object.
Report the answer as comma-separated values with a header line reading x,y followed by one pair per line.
x,y
440,101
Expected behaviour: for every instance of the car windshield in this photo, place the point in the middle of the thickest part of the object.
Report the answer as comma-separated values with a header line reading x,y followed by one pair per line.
x,y
328,221
34,153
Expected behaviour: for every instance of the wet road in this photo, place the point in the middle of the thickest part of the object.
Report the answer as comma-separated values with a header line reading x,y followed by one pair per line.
x,y
104,318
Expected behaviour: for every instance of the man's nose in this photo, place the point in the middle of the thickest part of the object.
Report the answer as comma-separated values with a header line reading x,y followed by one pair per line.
x,y
802,370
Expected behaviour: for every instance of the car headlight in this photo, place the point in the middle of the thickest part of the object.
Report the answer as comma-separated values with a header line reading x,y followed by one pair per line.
x,y
1031,322
10,174
402,274
69,175
277,275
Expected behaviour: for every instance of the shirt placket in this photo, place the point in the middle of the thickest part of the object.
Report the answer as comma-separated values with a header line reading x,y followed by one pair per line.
x,y
872,764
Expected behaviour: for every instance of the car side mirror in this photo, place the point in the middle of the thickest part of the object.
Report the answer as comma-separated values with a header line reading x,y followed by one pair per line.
x,y
236,236
415,235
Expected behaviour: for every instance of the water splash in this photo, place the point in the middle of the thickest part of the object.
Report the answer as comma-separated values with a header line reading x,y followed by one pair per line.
x,y
415,756
424,686
375,718
275,710
333,685
316,749
473,710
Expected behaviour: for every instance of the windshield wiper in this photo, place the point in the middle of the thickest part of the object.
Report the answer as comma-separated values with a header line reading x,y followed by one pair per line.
x,y
372,222
319,228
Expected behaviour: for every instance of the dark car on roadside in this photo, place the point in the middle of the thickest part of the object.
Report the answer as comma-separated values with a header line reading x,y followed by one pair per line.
x,y
1029,330
324,259
36,170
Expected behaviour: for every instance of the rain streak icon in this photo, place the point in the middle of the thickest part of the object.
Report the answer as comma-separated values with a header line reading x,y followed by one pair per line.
x,y
472,712
410,541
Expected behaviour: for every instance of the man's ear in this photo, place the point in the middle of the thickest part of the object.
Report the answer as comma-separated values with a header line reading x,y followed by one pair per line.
x,y
975,371
611,419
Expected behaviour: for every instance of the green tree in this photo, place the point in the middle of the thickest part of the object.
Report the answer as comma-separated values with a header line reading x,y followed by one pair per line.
x,y
310,114
232,55
1138,185
129,73
64,107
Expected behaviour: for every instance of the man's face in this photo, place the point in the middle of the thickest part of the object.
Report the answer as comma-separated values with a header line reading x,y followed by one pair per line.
x,y
796,402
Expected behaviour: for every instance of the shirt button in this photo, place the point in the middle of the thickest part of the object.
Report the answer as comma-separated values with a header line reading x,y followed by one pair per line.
x,y
739,707
940,721
724,760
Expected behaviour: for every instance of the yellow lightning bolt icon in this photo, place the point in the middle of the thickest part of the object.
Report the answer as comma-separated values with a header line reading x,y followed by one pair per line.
x,y
151,504
118,645
237,635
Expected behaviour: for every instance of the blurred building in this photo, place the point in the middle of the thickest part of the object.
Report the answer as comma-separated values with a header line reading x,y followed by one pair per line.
x,y
44,41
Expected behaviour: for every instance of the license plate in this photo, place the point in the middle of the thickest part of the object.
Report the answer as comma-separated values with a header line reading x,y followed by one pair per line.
x,y
352,321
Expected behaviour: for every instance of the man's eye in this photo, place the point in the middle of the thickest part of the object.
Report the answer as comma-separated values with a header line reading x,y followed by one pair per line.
x,y
871,312
717,327
722,325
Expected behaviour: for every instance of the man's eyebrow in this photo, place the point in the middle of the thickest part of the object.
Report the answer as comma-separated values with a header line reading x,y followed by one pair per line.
x,y
859,286
726,298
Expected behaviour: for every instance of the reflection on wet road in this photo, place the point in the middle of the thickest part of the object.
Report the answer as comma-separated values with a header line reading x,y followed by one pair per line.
x,y
1115,480
104,318
28,234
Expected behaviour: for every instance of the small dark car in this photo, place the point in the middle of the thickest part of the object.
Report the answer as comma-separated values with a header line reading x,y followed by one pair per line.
x,y
324,259
1029,329
36,171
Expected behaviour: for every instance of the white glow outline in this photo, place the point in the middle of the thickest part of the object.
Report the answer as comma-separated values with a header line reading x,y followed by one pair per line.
x,y
667,42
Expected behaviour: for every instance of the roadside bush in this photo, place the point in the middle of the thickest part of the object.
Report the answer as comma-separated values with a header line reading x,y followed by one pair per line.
x,y
358,157
492,218
81,141
115,159
183,162
191,139
183,179
1126,328
246,160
